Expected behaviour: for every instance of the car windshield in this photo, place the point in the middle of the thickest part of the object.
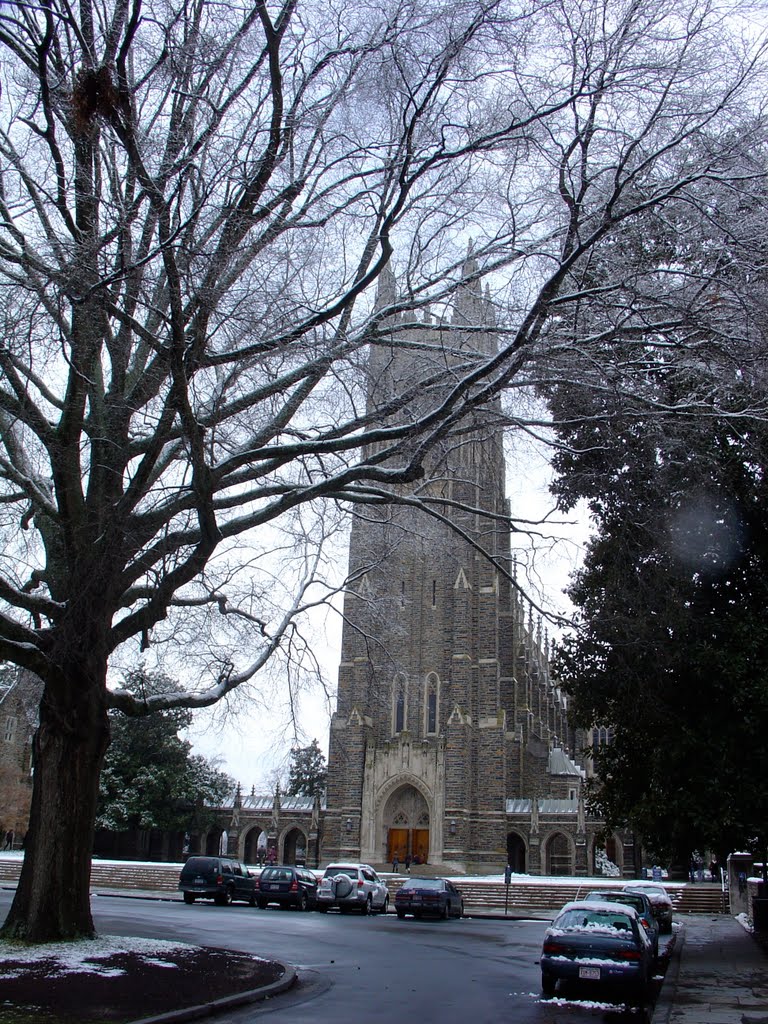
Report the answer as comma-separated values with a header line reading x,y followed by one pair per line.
x,y
593,921
425,883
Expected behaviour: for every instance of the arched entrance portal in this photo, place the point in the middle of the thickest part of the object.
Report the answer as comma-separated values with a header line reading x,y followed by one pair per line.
x,y
406,821
516,853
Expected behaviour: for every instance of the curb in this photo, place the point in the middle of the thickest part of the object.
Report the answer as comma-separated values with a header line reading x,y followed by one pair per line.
x,y
254,995
666,1001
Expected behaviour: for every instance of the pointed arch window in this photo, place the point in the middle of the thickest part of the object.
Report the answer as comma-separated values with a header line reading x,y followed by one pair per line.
x,y
431,703
399,705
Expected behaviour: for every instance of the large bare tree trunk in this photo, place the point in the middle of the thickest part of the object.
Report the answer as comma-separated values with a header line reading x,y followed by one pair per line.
x,y
52,901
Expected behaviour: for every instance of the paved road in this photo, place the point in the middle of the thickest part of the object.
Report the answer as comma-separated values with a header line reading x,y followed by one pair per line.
x,y
356,970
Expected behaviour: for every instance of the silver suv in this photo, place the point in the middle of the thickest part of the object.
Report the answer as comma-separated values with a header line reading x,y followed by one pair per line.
x,y
352,887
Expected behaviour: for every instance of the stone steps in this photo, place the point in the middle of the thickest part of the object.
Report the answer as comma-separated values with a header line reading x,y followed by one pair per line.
x,y
491,895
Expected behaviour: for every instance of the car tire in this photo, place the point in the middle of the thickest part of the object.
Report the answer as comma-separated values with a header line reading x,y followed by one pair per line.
x,y
189,897
252,900
446,912
548,985
322,908
261,903
400,914
461,909
384,909
302,904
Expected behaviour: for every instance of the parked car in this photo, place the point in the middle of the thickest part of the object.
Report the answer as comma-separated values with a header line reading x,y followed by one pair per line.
x,y
641,903
352,887
600,945
220,879
420,896
288,886
661,902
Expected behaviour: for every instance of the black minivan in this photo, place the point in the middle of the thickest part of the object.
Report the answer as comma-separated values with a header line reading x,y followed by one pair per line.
x,y
220,879
287,886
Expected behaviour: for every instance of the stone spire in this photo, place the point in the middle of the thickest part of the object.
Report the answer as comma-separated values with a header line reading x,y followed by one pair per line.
x,y
386,290
470,306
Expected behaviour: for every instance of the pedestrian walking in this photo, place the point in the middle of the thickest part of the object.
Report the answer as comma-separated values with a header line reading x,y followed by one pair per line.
x,y
8,840
408,863
396,864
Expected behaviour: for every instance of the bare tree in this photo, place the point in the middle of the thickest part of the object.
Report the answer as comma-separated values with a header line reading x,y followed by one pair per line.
x,y
197,202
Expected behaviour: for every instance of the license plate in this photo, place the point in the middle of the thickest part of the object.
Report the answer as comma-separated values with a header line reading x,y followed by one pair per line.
x,y
274,888
199,881
589,973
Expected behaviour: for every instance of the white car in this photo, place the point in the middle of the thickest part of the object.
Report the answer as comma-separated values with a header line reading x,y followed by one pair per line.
x,y
352,887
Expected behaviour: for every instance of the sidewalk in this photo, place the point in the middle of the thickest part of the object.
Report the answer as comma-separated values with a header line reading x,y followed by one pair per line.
x,y
718,975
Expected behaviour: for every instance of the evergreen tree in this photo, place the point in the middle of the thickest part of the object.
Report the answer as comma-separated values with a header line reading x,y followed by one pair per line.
x,y
150,777
672,646
308,772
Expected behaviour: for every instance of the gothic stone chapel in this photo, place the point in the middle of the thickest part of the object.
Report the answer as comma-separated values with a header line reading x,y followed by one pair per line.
x,y
450,741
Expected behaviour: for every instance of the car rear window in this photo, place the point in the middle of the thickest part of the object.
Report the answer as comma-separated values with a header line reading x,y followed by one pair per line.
x,y
330,872
278,874
650,890
630,899
592,920
425,883
201,864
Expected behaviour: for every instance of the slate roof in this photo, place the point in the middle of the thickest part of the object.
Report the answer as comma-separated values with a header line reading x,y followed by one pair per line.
x,y
561,764
522,805
264,803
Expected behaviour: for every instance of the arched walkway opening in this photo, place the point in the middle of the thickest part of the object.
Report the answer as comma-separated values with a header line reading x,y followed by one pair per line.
x,y
213,842
255,846
608,858
516,853
294,847
406,825
558,855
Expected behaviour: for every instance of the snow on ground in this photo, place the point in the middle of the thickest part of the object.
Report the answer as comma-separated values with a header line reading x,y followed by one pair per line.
x,y
88,955
91,956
